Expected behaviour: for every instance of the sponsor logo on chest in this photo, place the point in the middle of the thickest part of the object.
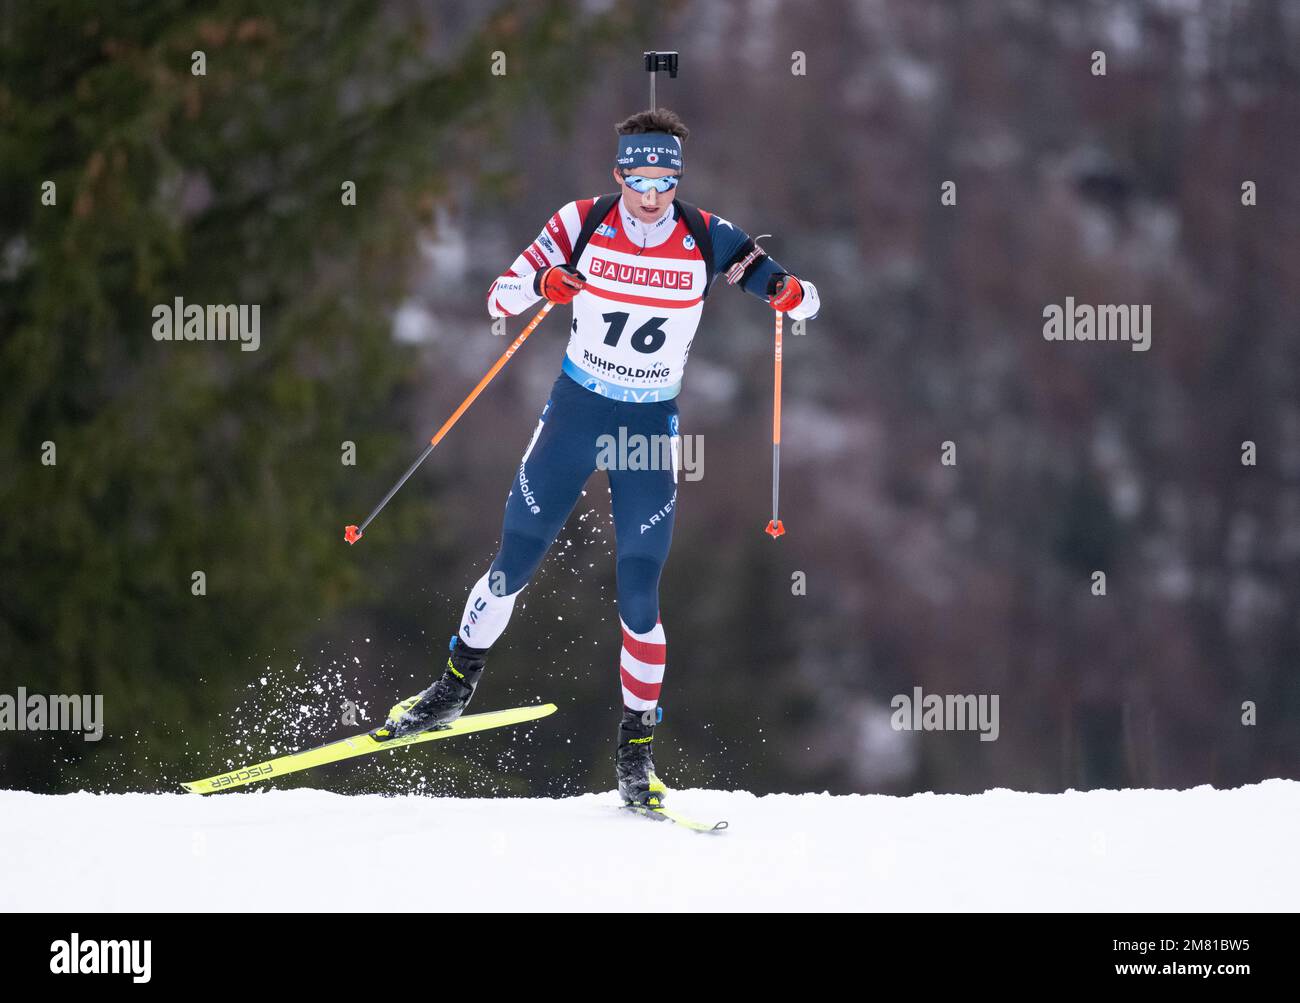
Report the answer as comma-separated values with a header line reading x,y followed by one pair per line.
x,y
647,276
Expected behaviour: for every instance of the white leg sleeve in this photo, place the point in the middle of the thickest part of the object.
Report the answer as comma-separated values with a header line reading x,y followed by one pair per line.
x,y
486,614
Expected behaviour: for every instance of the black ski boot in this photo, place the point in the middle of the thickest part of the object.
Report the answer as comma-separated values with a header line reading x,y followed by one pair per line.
x,y
634,761
442,702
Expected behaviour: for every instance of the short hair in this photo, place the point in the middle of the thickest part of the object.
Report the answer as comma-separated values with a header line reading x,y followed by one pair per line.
x,y
658,120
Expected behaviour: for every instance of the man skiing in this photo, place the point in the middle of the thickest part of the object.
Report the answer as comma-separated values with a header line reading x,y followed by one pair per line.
x,y
636,267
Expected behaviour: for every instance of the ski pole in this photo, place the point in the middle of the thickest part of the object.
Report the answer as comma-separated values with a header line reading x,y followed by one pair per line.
x,y
353,533
775,528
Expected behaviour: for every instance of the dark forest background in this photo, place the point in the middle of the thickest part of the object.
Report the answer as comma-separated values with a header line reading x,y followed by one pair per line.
x,y
974,578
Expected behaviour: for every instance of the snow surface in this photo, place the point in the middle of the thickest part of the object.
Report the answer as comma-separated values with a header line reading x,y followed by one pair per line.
x,y
1199,849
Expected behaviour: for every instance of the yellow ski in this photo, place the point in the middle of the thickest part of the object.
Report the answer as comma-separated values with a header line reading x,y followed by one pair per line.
x,y
362,745
667,815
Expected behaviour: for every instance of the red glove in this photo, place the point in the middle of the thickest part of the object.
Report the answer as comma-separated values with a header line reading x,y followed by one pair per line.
x,y
559,283
786,293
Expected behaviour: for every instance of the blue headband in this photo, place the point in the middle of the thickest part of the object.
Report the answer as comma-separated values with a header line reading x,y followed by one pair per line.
x,y
649,149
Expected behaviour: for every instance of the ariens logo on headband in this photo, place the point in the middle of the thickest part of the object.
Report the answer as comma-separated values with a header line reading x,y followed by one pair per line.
x,y
650,149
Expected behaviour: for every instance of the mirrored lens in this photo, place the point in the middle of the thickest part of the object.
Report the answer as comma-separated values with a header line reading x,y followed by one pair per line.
x,y
639,184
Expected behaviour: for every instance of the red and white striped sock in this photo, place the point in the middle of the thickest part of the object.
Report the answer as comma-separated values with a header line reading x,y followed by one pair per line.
x,y
641,666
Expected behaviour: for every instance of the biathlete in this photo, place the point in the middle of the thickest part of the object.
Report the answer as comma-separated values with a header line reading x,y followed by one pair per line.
x,y
636,266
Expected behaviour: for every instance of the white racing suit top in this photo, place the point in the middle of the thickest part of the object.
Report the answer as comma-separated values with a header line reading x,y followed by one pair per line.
x,y
634,321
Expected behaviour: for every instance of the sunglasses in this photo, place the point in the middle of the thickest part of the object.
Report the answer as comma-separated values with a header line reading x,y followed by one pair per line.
x,y
639,184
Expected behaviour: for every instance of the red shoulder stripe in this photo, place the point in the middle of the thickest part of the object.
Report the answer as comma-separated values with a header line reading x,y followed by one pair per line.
x,y
561,235
534,254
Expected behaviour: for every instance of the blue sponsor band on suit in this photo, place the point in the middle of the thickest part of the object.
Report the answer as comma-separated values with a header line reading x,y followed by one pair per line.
x,y
618,391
